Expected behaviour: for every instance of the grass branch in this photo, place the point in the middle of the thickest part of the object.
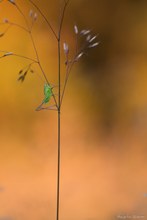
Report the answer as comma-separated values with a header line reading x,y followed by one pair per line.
x,y
42,14
36,52
62,18
19,26
68,70
7,53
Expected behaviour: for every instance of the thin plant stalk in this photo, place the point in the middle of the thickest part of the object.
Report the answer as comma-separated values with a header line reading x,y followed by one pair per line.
x,y
59,131
59,112
6,53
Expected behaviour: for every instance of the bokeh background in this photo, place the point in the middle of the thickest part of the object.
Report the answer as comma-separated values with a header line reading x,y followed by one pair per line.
x,y
104,116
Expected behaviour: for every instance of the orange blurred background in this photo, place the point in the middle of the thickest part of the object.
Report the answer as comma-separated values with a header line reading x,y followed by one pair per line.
x,y
104,116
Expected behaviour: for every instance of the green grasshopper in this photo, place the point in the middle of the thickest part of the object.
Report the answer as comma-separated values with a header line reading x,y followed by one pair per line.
x,y
47,95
